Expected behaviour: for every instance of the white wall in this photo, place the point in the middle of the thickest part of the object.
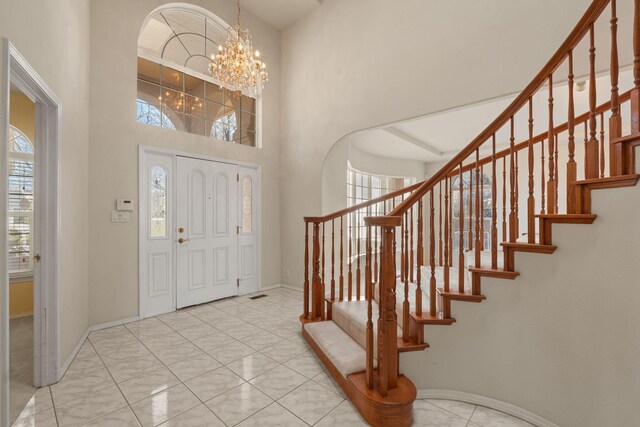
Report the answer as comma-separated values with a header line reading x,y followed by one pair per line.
x,y
563,339
115,136
350,67
54,38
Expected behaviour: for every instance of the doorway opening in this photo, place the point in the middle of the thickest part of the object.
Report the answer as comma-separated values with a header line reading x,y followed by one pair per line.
x,y
29,244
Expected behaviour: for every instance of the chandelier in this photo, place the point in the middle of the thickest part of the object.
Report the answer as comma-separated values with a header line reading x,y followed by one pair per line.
x,y
237,66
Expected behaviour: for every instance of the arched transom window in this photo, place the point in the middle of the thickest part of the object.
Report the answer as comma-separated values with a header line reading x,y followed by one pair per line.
x,y
175,90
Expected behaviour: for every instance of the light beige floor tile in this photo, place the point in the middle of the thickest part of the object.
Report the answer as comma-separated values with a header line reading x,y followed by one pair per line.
x,y
284,351
177,353
196,332
122,370
344,415
273,415
427,415
491,418
39,402
278,381
43,419
238,403
325,379
261,340
73,388
310,402
148,384
241,331
213,341
194,366
253,365
230,352
121,418
165,405
214,383
306,364
461,409
200,416
90,407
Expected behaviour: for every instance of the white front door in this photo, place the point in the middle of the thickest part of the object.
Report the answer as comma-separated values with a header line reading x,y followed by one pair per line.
x,y
248,254
207,231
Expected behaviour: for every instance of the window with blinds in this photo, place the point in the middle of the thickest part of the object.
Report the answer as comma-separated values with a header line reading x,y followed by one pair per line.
x,y
21,193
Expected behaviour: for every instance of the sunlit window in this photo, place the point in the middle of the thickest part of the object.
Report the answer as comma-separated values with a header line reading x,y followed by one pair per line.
x,y
469,207
21,193
158,202
247,205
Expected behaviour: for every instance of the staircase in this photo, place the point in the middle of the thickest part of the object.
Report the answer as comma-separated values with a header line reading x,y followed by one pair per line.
x,y
379,274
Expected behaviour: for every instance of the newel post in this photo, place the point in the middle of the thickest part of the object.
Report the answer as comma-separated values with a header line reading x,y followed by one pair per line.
x,y
387,320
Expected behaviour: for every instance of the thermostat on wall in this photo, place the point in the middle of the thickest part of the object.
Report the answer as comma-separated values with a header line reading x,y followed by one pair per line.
x,y
124,205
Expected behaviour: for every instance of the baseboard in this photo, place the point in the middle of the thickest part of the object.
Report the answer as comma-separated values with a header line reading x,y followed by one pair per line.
x,y
281,285
475,399
21,315
63,369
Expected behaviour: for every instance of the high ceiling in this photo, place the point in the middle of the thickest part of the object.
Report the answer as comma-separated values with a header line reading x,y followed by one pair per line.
x,y
280,13
437,137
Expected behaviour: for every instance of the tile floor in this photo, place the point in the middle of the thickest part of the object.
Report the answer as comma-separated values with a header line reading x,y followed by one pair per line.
x,y
233,362
20,364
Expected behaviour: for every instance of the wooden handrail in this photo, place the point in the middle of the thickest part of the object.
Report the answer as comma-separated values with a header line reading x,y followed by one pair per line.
x,y
354,208
581,29
603,108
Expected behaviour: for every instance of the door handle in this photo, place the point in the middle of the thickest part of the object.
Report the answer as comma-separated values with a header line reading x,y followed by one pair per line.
x,y
182,240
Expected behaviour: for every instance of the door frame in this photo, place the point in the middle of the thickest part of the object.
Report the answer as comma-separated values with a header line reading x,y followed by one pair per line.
x,y
143,152
16,70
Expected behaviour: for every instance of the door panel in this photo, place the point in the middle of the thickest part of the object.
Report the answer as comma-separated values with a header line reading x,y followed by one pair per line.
x,y
248,252
207,261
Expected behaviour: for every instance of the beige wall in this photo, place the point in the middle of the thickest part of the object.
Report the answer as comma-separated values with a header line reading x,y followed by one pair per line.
x,y
115,136
563,339
355,68
54,38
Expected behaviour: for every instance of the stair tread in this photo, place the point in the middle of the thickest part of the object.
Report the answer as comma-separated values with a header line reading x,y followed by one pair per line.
x,y
341,349
406,346
461,296
498,273
566,216
426,319
627,138
530,247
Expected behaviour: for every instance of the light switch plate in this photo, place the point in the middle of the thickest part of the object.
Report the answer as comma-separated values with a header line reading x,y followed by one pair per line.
x,y
117,216
124,204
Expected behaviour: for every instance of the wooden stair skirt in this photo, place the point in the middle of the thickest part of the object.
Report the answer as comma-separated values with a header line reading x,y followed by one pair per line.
x,y
345,360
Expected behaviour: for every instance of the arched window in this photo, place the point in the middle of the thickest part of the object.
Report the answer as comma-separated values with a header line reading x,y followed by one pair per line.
x,y
468,200
21,192
175,90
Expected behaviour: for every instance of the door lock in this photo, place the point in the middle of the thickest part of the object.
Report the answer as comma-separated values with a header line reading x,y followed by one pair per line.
x,y
182,240
36,258
180,229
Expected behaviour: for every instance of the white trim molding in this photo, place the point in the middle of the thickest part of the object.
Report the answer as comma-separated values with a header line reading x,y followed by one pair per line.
x,y
488,402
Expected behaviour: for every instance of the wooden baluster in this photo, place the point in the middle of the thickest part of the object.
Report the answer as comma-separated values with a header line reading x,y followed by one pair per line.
x,y
482,207
405,303
531,201
341,292
601,145
447,239
517,205
411,254
359,225
333,260
543,183
369,297
461,269
306,270
591,149
440,260
477,243
350,259
551,190
557,184
630,158
402,250
376,250
470,239
420,262
494,209
316,281
616,156
450,222
512,184
572,169
586,140
505,238
432,258
322,282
